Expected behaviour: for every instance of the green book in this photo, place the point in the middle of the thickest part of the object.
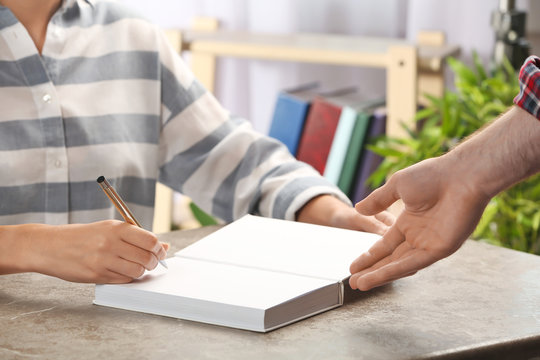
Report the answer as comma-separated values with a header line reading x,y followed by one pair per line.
x,y
356,145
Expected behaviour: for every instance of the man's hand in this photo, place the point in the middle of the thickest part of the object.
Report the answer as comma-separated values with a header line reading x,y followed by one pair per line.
x,y
103,252
328,210
441,211
444,198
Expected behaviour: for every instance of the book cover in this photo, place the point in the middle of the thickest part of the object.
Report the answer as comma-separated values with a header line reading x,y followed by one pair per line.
x,y
253,274
369,161
354,151
340,144
348,143
319,129
290,112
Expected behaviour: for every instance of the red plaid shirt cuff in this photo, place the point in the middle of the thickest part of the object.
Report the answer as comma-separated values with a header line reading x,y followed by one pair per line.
x,y
529,83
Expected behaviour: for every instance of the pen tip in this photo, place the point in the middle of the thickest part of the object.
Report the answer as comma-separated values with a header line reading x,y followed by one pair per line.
x,y
101,179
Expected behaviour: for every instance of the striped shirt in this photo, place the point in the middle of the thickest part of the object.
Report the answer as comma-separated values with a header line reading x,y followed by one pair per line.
x,y
529,84
108,96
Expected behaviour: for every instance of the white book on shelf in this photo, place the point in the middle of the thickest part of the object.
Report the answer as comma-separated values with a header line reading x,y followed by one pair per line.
x,y
256,274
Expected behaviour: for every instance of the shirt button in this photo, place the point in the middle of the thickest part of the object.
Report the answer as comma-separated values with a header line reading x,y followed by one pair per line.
x,y
58,163
47,98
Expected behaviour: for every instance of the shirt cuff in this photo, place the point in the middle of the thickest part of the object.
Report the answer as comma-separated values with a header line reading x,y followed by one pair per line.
x,y
529,83
309,194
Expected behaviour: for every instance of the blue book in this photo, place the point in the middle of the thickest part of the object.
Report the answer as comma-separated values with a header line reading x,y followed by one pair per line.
x,y
290,113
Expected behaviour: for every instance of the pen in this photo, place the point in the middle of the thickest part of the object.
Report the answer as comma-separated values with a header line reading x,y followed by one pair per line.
x,y
121,206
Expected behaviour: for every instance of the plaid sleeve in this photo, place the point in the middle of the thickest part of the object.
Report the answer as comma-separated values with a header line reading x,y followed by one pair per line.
x,y
529,83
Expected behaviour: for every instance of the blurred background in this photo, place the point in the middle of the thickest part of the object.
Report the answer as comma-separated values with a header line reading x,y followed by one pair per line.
x,y
248,87
475,93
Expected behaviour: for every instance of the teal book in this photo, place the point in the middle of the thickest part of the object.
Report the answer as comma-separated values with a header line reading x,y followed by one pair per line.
x,y
290,112
340,144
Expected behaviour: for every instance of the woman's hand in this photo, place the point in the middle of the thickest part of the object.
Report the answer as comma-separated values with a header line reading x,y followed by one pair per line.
x,y
102,252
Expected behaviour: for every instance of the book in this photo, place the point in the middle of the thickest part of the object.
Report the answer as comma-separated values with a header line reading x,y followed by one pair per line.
x,y
319,129
255,274
369,161
289,115
348,143
359,136
340,144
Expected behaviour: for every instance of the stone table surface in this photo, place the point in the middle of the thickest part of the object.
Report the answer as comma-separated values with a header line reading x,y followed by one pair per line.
x,y
483,302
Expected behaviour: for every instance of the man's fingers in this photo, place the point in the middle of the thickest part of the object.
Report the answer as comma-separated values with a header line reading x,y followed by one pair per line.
x,y
400,251
379,200
381,249
376,266
403,250
353,281
394,270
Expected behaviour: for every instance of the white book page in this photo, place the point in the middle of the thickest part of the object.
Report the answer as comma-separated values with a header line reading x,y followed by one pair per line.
x,y
284,246
216,283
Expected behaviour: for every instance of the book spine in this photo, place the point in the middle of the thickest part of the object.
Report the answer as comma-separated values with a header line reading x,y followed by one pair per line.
x,y
354,151
340,144
319,130
369,160
288,121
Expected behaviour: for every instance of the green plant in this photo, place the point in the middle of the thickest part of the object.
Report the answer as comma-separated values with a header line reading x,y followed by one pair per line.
x,y
203,218
511,219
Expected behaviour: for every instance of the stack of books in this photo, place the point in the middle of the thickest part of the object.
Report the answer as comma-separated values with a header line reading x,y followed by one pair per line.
x,y
329,131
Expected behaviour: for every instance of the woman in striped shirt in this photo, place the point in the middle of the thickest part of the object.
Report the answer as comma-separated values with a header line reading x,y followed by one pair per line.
x,y
86,89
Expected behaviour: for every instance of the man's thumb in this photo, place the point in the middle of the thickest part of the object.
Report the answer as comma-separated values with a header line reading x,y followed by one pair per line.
x,y
379,200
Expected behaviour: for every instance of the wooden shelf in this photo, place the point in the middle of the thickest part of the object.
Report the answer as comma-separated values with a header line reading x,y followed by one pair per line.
x,y
406,63
312,48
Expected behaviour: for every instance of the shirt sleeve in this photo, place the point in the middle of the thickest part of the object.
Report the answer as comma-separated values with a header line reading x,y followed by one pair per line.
x,y
218,160
529,83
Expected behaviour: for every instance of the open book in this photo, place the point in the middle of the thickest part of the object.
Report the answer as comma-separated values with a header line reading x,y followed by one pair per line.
x,y
256,274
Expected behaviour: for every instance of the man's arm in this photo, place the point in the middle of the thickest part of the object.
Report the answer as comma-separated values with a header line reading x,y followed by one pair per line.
x,y
445,197
102,252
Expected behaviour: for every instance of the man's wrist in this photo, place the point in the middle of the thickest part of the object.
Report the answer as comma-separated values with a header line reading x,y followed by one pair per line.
x,y
496,157
466,167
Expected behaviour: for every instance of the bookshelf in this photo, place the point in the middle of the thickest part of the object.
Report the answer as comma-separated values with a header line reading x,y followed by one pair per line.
x,y
412,69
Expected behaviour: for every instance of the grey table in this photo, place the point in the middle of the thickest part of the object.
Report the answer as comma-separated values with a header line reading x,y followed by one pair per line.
x,y
482,302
